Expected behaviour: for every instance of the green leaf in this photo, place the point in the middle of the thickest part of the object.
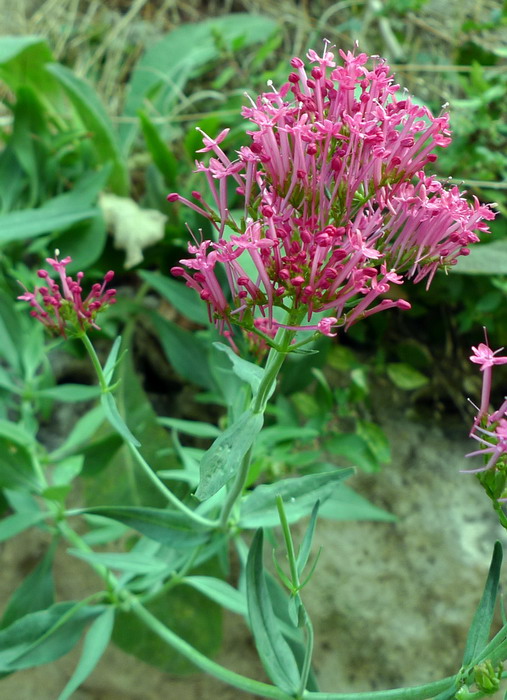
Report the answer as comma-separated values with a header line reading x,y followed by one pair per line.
x,y
131,562
22,61
36,592
68,393
187,613
184,299
167,65
19,225
166,526
57,214
478,634
11,330
44,636
346,504
95,643
219,591
405,377
12,525
376,439
484,259
246,371
224,457
274,652
113,416
112,360
165,161
306,545
122,481
299,495
187,353
81,433
16,466
355,449
95,118
190,427
84,242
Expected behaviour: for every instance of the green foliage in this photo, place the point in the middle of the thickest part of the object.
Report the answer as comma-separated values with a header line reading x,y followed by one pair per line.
x,y
60,149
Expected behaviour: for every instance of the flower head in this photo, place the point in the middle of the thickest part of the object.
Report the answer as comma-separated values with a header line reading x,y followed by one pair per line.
x,y
61,307
490,429
335,205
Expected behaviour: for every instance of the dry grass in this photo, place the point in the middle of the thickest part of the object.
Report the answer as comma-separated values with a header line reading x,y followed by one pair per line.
x,y
103,40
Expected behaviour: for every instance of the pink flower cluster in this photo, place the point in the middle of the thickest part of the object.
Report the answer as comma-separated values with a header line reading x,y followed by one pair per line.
x,y
334,206
490,429
61,308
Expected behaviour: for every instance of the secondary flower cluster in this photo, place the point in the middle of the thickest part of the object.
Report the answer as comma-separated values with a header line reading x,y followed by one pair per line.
x,y
334,206
490,429
60,307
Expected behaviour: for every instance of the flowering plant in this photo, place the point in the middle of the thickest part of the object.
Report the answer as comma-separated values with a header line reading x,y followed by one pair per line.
x,y
334,209
334,206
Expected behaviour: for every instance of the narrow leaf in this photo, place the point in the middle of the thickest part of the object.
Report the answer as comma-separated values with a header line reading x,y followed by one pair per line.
x,y
110,365
113,416
36,592
306,545
190,427
184,299
274,652
299,497
43,636
223,458
478,634
246,371
219,591
96,119
166,526
95,643
68,393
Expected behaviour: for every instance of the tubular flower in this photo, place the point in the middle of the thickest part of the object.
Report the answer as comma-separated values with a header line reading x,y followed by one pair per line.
x,y
334,203
61,307
490,429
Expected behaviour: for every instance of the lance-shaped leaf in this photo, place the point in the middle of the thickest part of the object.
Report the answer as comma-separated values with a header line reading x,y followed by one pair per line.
x,y
247,371
223,459
43,636
478,634
274,652
299,496
36,592
95,118
166,526
95,643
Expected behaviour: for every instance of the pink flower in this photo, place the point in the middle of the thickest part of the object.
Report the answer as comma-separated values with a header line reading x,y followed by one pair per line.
x,y
489,429
484,356
332,193
61,308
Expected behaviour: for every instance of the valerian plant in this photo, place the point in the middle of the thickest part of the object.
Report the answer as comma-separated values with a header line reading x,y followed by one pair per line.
x,y
325,209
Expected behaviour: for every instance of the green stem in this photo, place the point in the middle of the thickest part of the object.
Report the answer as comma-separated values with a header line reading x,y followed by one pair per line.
x,y
174,500
307,663
71,536
289,545
248,685
274,363
276,358
418,692
296,585
95,362
156,481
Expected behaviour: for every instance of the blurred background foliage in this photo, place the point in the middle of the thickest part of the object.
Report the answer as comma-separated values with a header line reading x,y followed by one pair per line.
x,y
105,97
